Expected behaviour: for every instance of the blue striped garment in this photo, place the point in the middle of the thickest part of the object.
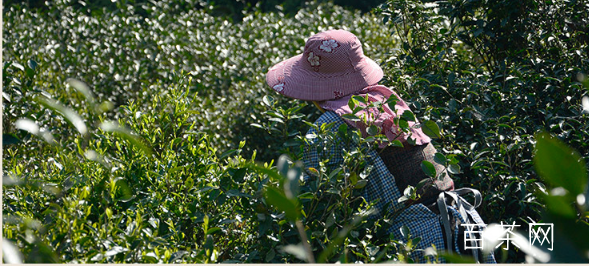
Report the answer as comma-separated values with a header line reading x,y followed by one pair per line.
x,y
381,187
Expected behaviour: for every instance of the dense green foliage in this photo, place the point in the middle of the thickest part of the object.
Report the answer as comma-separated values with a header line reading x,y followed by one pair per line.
x,y
230,9
492,89
138,68
494,73
167,154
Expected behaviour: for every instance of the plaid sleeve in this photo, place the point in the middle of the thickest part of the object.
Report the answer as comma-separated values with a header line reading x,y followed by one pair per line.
x,y
318,149
381,188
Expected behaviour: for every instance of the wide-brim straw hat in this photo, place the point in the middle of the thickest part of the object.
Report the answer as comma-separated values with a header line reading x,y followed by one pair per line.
x,y
331,66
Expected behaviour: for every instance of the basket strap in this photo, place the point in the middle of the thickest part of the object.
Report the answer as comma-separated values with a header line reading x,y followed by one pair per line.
x,y
462,205
445,221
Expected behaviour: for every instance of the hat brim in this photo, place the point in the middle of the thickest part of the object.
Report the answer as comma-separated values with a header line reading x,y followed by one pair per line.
x,y
292,80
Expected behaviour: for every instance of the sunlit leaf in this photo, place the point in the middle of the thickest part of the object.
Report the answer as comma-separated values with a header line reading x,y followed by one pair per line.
x,y
431,129
372,130
351,117
268,100
396,143
261,169
82,88
359,99
11,254
115,250
428,168
404,231
228,153
32,64
27,125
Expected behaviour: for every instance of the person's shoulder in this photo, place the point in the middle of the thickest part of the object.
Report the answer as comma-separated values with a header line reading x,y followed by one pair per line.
x,y
328,117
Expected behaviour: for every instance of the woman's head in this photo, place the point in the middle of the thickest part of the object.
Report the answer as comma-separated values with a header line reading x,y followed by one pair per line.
x,y
331,66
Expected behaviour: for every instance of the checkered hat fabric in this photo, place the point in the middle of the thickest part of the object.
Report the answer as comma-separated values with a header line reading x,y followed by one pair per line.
x,y
331,66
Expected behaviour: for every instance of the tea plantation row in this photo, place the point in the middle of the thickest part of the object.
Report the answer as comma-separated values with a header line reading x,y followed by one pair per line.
x,y
149,135
145,164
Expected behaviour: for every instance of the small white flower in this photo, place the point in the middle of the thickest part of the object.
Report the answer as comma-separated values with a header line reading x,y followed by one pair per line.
x,y
313,59
328,46
279,87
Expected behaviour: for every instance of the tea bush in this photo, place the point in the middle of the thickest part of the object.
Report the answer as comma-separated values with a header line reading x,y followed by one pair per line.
x,y
131,132
119,53
492,74
141,165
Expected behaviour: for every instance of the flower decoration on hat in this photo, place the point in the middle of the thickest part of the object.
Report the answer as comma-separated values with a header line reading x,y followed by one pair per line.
x,y
328,46
314,60
278,87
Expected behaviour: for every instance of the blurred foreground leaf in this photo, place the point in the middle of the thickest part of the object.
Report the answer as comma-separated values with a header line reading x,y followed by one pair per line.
x,y
69,114
125,134
11,254
281,202
560,165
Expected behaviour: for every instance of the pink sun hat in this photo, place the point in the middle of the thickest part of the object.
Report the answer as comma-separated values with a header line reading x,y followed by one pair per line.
x,y
331,66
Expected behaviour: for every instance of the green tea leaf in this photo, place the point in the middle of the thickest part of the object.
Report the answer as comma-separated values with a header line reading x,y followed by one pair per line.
x,y
408,115
404,231
270,255
396,143
372,130
428,168
279,200
213,230
351,117
454,169
359,99
9,139
261,169
560,206
361,184
32,64
440,158
268,100
431,129
227,153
